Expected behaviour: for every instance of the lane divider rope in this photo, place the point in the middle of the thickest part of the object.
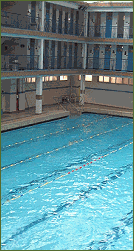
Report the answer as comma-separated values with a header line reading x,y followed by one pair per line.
x,y
60,148
63,175
57,132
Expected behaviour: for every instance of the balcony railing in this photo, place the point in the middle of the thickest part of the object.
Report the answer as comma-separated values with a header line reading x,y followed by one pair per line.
x,y
112,31
63,28
63,62
14,20
24,62
19,62
109,64
60,26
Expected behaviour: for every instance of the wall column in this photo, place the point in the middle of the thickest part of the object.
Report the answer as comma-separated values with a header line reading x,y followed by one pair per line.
x,y
82,90
101,56
39,95
92,22
125,58
21,89
63,20
114,25
103,24
126,25
113,58
56,49
39,79
57,19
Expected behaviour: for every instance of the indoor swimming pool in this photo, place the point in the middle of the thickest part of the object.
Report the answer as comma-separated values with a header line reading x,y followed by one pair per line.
x,y
68,185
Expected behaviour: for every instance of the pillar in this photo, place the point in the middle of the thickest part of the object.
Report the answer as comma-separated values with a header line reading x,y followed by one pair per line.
x,y
90,56
21,89
69,21
63,20
114,25
57,19
103,24
39,79
113,58
126,25
62,55
82,89
39,95
125,58
84,55
13,95
92,22
67,55
56,49
85,23
50,53
101,56
74,22
50,18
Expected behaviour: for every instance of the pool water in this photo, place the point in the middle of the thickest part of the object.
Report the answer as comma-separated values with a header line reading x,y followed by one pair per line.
x,y
67,184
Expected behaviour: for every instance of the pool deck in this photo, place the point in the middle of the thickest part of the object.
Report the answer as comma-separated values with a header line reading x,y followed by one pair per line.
x,y
10,121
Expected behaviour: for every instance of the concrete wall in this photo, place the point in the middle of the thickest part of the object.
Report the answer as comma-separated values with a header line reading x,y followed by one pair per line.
x,y
8,97
119,95
55,89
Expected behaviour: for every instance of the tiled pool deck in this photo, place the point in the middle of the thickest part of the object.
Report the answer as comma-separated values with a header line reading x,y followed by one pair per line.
x,y
15,120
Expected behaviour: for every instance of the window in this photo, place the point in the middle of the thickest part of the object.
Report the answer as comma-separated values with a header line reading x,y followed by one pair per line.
x,y
33,80
63,77
88,77
131,81
112,79
43,79
46,79
28,80
119,80
106,79
125,81
49,78
54,78
79,77
100,78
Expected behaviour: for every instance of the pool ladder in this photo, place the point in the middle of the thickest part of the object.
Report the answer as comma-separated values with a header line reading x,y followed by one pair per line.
x,y
68,105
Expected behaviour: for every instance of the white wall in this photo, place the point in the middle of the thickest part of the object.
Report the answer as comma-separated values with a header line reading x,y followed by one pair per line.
x,y
109,94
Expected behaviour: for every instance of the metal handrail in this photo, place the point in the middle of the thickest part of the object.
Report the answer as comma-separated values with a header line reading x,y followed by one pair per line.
x,y
59,103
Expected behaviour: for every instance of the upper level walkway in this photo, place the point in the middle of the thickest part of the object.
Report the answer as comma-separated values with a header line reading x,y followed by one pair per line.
x,y
58,72
36,34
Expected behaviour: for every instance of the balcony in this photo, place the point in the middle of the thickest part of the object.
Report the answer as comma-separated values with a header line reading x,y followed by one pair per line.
x,y
31,63
14,20
19,62
100,31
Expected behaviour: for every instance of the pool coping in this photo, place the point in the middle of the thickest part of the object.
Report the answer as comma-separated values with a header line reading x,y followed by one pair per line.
x,y
32,119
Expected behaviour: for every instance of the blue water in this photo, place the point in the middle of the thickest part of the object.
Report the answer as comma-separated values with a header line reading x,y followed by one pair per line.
x,y
89,209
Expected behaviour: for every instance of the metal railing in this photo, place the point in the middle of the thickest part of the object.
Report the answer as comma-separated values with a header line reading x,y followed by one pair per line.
x,y
109,64
58,99
19,62
14,20
60,26
68,104
63,62
113,31
27,62
55,26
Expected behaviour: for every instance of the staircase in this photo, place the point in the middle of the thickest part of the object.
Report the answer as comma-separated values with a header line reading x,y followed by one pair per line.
x,y
70,105
75,110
